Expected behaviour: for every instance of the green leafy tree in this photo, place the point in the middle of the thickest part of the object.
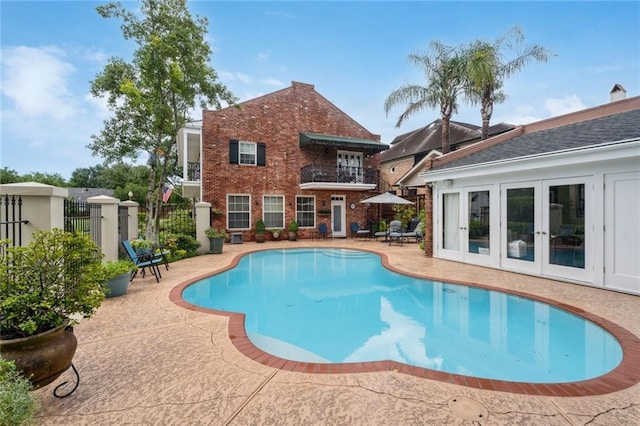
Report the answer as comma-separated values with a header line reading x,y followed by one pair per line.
x,y
490,63
87,177
444,70
54,179
9,176
151,96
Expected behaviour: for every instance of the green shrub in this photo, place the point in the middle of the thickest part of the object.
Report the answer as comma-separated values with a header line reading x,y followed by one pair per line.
x,y
169,241
187,243
17,406
178,254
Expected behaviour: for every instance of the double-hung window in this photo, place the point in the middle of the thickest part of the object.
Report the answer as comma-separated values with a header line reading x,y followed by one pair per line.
x,y
273,211
247,153
238,211
306,211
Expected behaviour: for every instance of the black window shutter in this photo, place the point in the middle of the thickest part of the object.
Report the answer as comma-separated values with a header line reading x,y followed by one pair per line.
x,y
262,154
233,151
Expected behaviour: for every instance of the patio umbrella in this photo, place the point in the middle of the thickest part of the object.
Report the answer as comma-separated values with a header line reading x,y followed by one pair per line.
x,y
386,198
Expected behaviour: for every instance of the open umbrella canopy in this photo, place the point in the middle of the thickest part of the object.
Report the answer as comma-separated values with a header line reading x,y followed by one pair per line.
x,y
386,198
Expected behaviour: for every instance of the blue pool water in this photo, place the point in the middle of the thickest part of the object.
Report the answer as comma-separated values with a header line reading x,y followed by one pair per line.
x,y
337,305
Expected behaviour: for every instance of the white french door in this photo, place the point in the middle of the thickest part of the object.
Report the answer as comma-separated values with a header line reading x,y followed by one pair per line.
x,y
466,231
338,216
546,228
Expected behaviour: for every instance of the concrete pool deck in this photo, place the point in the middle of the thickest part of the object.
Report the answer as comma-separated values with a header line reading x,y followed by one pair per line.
x,y
143,359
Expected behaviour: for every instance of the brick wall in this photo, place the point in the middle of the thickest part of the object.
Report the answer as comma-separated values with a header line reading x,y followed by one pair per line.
x,y
277,119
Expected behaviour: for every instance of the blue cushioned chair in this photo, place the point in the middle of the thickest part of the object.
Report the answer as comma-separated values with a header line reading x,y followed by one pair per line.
x,y
143,261
323,232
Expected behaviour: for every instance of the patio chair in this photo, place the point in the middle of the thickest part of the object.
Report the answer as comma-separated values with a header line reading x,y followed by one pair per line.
x,y
144,261
395,232
417,233
323,231
357,232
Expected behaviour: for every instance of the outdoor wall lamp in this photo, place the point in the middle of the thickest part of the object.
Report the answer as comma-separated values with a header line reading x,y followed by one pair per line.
x,y
447,182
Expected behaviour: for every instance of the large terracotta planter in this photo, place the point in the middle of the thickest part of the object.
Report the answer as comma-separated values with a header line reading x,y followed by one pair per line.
x,y
118,286
44,357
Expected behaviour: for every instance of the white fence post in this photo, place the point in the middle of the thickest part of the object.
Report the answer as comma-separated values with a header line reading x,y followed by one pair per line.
x,y
109,225
203,218
132,218
42,206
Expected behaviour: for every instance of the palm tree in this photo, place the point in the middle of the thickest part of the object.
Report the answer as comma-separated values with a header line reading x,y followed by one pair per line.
x,y
486,70
445,71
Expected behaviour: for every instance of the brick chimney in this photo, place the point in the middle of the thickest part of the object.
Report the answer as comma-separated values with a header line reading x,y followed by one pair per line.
x,y
617,93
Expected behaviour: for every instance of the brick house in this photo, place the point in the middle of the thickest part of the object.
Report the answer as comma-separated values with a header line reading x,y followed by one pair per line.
x,y
287,155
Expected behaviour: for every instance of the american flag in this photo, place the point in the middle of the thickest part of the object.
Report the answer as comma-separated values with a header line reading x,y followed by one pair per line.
x,y
166,194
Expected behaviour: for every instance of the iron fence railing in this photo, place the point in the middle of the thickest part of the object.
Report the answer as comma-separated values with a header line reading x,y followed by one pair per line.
x,y
11,220
193,171
80,216
338,174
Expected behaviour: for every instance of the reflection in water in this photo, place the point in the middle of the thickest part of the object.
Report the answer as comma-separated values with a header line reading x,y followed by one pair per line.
x,y
343,306
403,338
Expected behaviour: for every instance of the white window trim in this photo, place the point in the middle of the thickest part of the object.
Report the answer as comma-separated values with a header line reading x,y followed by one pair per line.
x,y
315,207
239,195
284,225
255,153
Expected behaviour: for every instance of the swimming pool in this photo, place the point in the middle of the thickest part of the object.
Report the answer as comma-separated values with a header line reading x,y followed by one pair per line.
x,y
343,306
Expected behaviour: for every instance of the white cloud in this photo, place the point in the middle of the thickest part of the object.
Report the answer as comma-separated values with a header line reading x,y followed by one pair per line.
x,y
35,79
243,77
272,82
226,75
563,106
263,56
280,14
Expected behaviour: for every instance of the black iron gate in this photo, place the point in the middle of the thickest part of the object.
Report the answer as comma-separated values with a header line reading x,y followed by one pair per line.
x,y
80,216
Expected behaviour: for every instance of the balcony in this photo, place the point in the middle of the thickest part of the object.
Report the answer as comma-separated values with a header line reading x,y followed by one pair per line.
x,y
322,176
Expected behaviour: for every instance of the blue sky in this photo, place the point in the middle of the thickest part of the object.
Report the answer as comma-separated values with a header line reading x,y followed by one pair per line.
x,y
353,52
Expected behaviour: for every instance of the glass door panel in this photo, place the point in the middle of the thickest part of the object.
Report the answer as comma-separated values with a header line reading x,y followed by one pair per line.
x,y
478,217
451,221
566,225
520,230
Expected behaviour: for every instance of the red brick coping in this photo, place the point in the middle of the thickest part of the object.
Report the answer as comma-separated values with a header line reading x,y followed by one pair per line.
x,y
625,375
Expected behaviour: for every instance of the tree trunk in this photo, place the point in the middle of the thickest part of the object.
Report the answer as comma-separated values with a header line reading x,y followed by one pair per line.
x,y
445,134
486,111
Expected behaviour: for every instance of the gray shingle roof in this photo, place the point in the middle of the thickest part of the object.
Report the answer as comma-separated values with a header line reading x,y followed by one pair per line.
x,y
612,128
428,138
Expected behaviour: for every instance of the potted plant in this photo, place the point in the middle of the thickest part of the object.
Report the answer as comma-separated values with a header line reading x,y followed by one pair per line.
x,y
216,239
260,230
275,233
141,246
45,288
293,230
17,406
117,274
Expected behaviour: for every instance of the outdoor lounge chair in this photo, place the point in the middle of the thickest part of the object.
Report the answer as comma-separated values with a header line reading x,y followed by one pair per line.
x,y
144,261
417,233
359,233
